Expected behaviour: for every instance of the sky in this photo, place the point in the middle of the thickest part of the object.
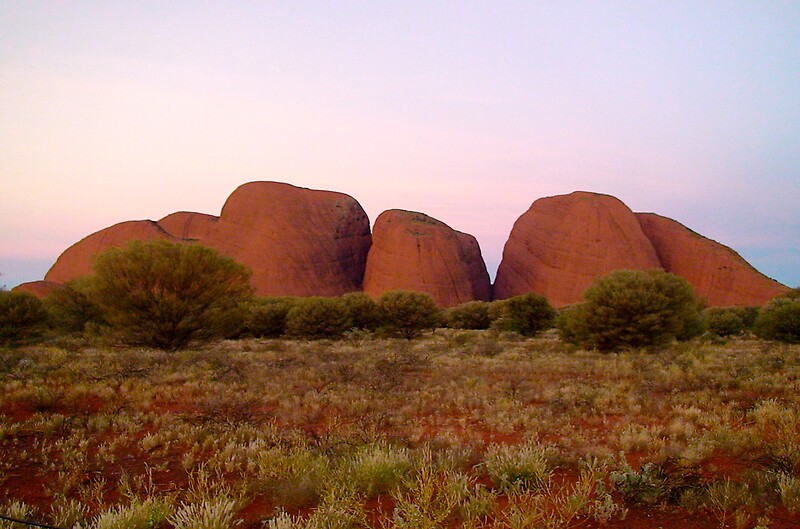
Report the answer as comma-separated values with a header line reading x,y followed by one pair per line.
x,y
466,111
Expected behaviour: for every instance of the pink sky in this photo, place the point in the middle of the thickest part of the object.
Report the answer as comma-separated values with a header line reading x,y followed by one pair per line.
x,y
465,111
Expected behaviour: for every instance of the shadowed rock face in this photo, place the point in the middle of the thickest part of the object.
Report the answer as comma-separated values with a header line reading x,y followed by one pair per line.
x,y
77,260
563,243
298,242
718,274
412,251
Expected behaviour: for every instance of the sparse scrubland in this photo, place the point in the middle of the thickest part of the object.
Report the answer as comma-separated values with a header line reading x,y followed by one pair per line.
x,y
642,410
457,428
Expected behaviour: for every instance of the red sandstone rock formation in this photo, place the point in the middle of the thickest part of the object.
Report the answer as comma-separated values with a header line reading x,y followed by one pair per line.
x,y
189,225
40,289
412,251
563,243
718,274
297,241
77,260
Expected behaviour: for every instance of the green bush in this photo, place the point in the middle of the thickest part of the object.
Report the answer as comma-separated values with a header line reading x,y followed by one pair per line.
x,y
632,308
363,311
266,317
318,317
166,295
22,317
527,314
779,320
407,313
469,315
725,321
71,309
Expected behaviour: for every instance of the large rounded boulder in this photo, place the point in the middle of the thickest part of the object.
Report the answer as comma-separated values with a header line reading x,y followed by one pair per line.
x,y
77,260
719,274
297,241
412,251
563,243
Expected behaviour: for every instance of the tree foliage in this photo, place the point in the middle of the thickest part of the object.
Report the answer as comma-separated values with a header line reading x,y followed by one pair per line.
x,y
167,295
318,317
632,308
22,317
266,317
780,320
469,315
71,309
527,314
362,310
408,313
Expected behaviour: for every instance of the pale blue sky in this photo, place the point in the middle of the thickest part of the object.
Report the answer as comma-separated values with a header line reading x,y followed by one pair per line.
x,y
467,111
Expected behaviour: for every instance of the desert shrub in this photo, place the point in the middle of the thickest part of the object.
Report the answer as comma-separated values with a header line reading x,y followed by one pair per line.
x,y
266,317
71,309
526,314
724,321
632,308
779,320
407,313
22,317
469,315
166,295
362,310
318,317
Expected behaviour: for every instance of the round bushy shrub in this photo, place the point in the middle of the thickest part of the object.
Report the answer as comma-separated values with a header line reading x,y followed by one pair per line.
x,y
469,315
779,320
363,311
266,317
318,317
725,321
166,295
71,309
22,317
408,313
527,314
632,308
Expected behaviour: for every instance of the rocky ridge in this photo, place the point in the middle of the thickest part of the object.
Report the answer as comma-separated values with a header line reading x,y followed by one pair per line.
x,y
303,242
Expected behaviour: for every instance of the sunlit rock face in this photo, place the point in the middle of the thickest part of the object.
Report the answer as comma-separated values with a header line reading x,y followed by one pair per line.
x,y
719,275
189,225
40,289
297,241
412,251
563,243
77,260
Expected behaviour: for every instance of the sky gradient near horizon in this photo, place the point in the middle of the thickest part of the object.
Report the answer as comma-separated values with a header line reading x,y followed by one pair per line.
x,y
466,111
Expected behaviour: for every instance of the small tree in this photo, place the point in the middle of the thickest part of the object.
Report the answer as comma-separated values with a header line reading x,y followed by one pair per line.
x,y
779,320
407,313
527,314
266,317
469,315
632,308
363,311
725,321
318,317
71,308
166,295
22,317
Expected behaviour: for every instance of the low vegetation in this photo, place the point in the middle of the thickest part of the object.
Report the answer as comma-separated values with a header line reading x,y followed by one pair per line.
x,y
457,428
350,413
633,308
